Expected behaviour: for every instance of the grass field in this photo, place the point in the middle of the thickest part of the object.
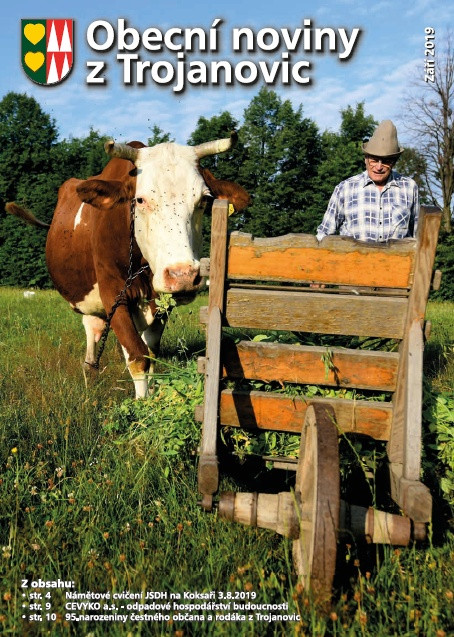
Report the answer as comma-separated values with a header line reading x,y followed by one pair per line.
x,y
99,491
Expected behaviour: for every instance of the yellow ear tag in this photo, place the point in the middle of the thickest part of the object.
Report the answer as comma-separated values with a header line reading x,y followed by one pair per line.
x,y
231,209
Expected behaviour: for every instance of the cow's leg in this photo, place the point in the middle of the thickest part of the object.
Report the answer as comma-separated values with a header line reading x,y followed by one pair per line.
x,y
139,374
94,327
152,337
134,348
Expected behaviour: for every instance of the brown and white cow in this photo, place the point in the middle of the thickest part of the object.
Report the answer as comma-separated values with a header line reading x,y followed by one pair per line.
x,y
88,243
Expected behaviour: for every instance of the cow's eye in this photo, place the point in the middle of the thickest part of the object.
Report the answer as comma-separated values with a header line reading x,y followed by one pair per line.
x,y
140,200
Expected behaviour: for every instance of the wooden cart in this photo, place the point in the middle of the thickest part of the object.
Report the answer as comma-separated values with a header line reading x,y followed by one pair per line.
x,y
341,287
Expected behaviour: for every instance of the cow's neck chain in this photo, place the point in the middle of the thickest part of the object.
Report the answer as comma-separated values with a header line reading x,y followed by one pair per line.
x,y
121,297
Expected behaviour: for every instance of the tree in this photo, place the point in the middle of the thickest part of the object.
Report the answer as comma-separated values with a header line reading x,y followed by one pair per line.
x,y
26,136
282,151
158,136
356,126
430,116
33,167
412,164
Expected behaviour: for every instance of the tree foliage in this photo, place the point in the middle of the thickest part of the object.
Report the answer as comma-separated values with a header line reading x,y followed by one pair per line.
x,y
33,165
158,136
282,151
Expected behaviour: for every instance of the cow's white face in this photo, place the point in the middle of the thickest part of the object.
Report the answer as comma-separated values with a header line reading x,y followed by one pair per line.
x,y
170,198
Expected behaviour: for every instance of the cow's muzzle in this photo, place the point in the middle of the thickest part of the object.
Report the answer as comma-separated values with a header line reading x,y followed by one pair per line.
x,y
182,278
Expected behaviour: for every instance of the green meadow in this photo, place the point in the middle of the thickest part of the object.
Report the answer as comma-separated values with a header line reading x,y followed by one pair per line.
x,y
100,492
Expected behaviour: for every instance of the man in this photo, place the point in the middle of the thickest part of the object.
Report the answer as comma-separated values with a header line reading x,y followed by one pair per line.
x,y
378,204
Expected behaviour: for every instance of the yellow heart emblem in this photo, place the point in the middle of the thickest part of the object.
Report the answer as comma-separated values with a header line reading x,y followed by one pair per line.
x,y
34,32
34,61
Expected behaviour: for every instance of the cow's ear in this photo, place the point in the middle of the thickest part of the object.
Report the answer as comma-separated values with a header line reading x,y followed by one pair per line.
x,y
222,189
105,194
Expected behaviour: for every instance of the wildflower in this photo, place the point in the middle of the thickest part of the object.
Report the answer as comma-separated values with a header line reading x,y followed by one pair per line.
x,y
105,535
449,595
7,597
59,472
49,524
6,550
242,569
14,450
248,586
122,557
363,618
179,527
333,616
35,547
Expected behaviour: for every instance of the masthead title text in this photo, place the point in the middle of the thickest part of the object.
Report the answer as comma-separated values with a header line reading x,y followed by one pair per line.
x,y
167,57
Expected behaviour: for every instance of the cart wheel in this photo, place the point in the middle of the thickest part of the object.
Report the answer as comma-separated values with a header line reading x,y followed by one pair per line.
x,y
317,491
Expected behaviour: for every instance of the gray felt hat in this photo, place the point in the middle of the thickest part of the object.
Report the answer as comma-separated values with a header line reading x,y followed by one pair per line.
x,y
383,142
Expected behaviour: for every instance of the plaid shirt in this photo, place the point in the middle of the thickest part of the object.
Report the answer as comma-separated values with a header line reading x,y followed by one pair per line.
x,y
358,209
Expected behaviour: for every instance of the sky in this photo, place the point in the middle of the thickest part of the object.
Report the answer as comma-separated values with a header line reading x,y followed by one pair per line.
x,y
388,55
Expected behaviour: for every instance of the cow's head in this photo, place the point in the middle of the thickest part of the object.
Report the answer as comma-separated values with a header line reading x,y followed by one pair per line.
x,y
170,195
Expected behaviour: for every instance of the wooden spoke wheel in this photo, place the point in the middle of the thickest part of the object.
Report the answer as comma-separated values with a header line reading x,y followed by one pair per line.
x,y
317,491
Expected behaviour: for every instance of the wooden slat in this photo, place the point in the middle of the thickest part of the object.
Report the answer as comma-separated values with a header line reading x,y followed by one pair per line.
x,y
337,289
208,473
318,313
335,260
413,497
413,409
361,369
265,410
428,229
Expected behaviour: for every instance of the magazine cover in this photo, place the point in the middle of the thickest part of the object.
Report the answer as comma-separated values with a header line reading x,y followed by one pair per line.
x,y
226,364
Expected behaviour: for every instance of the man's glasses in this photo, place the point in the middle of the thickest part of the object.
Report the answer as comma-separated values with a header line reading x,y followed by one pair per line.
x,y
384,161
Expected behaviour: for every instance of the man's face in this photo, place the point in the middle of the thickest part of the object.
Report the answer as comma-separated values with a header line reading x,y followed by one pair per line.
x,y
379,169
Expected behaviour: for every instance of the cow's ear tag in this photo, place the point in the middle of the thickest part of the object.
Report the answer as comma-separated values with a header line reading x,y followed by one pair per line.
x,y
231,209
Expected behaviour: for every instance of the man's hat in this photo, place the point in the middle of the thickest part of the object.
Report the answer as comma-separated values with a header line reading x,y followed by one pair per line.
x,y
383,142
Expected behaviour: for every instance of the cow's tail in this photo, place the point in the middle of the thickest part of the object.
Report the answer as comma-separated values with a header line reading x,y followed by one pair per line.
x,y
25,215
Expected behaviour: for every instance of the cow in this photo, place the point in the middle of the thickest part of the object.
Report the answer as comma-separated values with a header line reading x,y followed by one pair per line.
x,y
89,251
